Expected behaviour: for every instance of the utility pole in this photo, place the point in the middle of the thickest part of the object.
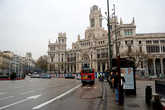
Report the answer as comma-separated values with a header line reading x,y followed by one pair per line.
x,y
109,38
65,61
117,44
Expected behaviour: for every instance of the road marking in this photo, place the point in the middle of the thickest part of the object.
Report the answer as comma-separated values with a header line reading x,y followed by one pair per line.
x,y
18,87
6,97
2,93
21,101
56,98
34,97
27,92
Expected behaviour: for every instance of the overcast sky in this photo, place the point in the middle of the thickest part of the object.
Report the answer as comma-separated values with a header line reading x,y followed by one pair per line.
x,y
28,25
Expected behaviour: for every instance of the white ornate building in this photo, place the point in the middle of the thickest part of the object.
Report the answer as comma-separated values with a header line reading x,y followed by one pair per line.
x,y
148,50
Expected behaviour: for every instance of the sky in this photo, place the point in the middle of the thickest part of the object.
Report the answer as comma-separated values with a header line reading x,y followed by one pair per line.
x,y
28,25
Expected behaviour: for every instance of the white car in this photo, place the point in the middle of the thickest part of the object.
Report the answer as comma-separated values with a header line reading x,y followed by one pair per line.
x,y
35,76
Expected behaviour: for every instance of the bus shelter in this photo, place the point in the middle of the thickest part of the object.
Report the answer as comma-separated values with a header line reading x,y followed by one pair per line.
x,y
127,70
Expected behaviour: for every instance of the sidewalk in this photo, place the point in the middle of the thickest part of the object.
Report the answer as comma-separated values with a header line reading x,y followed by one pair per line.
x,y
130,102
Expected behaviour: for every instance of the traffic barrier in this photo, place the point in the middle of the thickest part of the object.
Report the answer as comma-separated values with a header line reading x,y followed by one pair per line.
x,y
160,87
57,75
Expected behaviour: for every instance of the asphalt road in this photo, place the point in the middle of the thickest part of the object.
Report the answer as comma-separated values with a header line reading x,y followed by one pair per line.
x,y
49,94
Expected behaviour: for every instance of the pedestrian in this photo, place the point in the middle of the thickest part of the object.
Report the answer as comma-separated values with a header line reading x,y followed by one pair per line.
x,y
110,80
122,89
116,85
99,76
106,75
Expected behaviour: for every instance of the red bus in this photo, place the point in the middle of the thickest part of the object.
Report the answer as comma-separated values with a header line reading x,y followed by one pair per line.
x,y
87,76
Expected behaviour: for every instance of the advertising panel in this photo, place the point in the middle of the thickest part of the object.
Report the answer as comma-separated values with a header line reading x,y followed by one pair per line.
x,y
129,78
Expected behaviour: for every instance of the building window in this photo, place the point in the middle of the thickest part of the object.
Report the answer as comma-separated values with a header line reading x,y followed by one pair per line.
x,y
140,48
140,42
100,21
148,42
162,41
98,55
92,22
153,48
163,49
128,32
155,41
126,42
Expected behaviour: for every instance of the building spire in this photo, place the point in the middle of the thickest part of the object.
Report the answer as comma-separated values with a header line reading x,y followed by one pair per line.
x,y
121,21
95,17
133,21
78,37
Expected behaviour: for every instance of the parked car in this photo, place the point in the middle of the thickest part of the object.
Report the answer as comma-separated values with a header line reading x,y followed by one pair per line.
x,y
29,74
69,76
35,76
45,75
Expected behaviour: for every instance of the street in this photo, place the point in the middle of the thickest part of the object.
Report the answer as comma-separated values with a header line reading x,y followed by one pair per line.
x,y
49,94
66,94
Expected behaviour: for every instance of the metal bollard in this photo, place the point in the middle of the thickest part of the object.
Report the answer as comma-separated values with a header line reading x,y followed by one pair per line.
x,y
148,94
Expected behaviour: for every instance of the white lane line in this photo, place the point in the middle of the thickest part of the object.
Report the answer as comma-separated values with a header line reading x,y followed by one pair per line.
x,y
6,97
21,101
18,87
27,92
2,93
56,98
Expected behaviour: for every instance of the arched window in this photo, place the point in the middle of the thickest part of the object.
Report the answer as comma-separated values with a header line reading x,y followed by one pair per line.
x,y
92,22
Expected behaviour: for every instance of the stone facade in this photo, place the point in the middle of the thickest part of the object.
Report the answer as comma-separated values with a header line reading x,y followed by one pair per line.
x,y
57,54
93,50
147,50
10,62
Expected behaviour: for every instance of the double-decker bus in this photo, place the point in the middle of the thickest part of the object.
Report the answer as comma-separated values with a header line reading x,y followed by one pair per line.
x,y
87,75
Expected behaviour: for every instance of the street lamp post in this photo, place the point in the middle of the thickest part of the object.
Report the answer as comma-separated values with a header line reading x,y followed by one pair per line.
x,y
65,61
109,38
117,44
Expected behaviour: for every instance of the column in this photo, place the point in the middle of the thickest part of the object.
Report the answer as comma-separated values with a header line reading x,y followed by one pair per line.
x,y
146,70
96,69
76,67
48,67
161,63
146,67
69,67
154,66
105,66
101,69
72,68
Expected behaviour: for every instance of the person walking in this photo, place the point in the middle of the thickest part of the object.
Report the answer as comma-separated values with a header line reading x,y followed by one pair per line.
x,y
116,87
122,89
111,80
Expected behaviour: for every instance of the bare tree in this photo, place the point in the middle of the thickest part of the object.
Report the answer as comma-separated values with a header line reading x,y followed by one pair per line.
x,y
42,63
